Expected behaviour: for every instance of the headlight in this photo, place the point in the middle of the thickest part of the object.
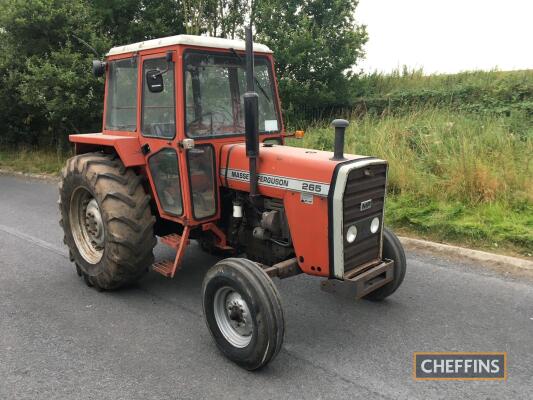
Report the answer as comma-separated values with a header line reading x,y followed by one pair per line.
x,y
351,234
374,225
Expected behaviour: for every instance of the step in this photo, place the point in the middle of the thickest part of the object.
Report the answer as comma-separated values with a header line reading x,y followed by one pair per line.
x,y
164,267
169,267
173,240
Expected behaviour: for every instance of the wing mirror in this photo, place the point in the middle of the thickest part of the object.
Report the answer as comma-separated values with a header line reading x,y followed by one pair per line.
x,y
99,68
154,80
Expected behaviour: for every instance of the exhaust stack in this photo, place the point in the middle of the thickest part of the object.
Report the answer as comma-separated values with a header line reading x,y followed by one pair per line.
x,y
340,127
251,116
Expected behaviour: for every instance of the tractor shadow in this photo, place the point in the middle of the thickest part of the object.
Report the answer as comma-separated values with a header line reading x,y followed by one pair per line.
x,y
186,286
307,308
319,325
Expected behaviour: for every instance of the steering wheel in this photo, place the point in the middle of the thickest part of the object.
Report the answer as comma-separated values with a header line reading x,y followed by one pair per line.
x,y
224,114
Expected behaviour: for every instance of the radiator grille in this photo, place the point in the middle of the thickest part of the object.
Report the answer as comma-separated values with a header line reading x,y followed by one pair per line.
x,y
363,184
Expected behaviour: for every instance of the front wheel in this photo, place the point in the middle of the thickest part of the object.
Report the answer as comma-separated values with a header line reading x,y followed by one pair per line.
x,y
243,312
392,250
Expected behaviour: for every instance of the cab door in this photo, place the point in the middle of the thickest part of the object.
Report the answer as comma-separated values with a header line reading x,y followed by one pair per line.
x,y
158,132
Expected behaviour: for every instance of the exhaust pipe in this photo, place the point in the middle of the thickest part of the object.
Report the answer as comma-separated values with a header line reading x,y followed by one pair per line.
x,y
340,127
251,116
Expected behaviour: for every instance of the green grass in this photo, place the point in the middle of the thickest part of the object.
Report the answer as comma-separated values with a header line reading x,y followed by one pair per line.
x,y
454,176
490,226
40,161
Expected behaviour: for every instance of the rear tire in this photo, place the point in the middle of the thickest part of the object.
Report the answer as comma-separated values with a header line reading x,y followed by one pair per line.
x,y
107,221
242,310
392,250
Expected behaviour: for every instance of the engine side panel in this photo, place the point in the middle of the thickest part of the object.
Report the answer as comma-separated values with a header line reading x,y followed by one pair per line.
x,y
302,179
308,223
281,168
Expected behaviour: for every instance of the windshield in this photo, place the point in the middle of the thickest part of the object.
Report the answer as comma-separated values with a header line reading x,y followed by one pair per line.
x,y
214,88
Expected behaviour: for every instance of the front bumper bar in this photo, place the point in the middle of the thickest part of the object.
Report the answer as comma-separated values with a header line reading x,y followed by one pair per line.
x,y
362,284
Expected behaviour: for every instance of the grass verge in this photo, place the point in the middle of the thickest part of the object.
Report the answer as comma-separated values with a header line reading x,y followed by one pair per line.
x,y
493,227
37,161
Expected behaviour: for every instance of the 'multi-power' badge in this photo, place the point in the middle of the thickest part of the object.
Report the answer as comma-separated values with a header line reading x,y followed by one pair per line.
x,y
460,366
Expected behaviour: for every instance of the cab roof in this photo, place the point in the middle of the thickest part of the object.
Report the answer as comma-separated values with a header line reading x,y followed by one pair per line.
x,y
188,40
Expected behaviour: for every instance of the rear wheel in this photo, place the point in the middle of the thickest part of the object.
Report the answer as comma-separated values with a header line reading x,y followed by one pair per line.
x,y
392,250
107,221
243,312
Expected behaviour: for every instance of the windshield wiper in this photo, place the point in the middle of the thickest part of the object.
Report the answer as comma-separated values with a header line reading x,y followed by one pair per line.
x,y
255,78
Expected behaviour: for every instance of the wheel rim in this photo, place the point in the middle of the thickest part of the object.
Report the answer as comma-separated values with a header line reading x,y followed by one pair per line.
x,y
233,317
87,226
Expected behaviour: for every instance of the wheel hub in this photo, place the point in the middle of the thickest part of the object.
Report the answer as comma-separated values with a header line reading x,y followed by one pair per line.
x,y
239,314
87,225
233,317
93,223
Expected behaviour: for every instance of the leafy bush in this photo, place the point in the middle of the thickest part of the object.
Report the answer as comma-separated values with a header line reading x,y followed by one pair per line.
x,y
488,92
47,87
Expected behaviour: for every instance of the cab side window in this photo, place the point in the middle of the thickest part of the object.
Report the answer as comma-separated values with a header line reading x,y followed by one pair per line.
x,y
121,107
200,161
166,176
159,108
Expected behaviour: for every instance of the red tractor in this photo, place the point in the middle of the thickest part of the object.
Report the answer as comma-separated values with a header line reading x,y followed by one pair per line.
x,y
192,148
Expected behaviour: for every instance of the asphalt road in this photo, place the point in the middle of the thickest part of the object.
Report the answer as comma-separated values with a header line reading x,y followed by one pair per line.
x,y
62,340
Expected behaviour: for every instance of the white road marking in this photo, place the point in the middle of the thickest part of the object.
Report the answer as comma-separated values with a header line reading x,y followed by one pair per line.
x,y
34,240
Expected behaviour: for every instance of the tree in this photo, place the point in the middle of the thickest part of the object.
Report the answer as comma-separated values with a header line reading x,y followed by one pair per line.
x,y
45,70
130,21
316,43
48,90
220,18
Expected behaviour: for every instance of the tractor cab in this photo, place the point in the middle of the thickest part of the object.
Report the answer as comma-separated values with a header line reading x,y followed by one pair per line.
x,y
182,98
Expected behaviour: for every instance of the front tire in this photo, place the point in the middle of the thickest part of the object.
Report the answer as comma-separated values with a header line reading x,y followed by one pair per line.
x,y
392,250
107,221
242,310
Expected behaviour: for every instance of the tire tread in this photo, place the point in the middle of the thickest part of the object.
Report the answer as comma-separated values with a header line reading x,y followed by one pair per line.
x,y
129,221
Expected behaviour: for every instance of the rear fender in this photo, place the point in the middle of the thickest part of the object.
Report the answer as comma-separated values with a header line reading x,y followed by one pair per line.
x,y
128,148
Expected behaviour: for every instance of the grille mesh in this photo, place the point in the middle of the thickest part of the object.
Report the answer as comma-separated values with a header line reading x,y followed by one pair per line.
x,y
366,183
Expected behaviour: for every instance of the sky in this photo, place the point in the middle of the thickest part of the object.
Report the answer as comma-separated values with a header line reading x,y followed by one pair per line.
x,y
447,36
